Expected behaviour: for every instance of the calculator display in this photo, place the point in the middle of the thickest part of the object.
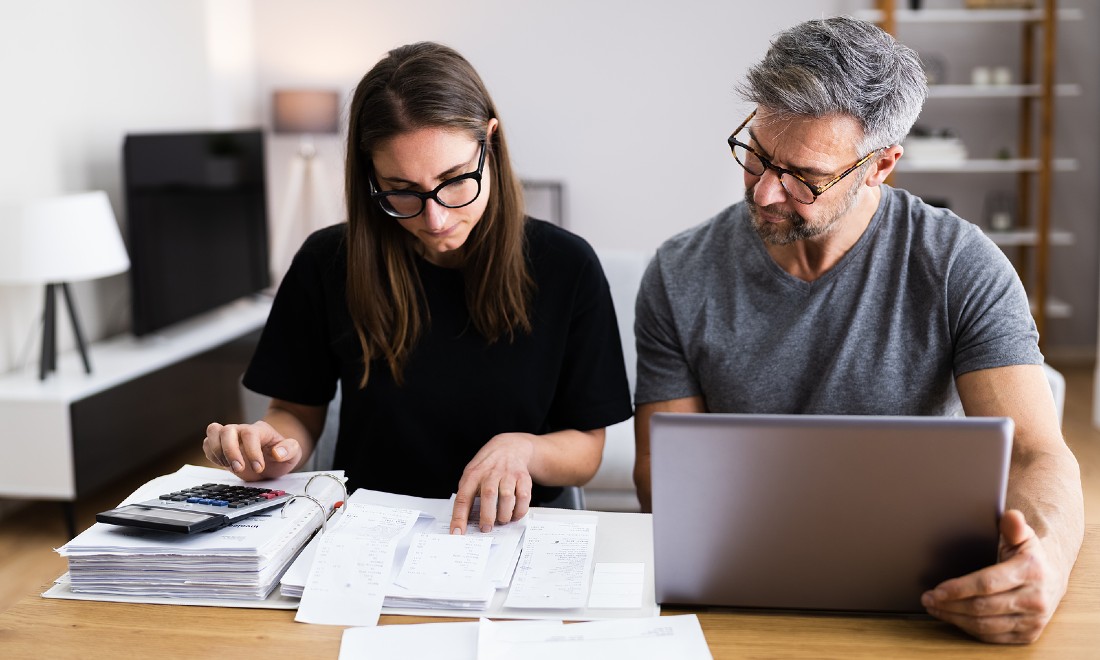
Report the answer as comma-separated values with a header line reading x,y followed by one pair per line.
x,y
138,512
165,520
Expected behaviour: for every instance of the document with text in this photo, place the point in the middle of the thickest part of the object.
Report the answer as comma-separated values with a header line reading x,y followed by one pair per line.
x,y
651,638
350,573
555,564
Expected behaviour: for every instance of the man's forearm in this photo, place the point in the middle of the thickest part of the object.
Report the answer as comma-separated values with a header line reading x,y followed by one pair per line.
x,y
1046,487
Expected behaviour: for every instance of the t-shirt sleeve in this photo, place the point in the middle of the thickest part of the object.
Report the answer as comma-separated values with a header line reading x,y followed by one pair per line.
x,y
989,310
592,390
663,369
293,360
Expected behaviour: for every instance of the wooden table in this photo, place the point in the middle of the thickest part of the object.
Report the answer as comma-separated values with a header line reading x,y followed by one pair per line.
x,y
43,628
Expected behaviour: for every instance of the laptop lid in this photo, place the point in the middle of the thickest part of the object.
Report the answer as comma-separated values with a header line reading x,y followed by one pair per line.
x,y
823,512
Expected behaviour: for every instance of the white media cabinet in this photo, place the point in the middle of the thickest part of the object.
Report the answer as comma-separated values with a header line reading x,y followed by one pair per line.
x,y
74,432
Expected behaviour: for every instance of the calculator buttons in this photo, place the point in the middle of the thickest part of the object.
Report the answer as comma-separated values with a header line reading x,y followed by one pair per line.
x,y
212,497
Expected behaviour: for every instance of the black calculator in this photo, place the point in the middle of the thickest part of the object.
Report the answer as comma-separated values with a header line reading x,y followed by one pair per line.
x,y
196,509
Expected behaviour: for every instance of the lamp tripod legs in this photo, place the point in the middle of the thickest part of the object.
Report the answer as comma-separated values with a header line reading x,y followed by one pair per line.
x,y
78,332
48,362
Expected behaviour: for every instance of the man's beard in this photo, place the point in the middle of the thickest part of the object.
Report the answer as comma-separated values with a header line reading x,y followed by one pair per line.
x,y
798,228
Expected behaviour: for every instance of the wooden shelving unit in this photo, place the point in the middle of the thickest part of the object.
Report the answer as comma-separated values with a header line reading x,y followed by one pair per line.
x,y
1034,164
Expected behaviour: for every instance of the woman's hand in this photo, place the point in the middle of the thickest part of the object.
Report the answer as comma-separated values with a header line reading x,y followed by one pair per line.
x,y
500,473
251,451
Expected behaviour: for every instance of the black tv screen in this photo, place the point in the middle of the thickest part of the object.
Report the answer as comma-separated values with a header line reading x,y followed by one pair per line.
x,y
197,223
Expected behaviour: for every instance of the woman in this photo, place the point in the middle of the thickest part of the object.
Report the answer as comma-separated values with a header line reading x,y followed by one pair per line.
x,y
476,349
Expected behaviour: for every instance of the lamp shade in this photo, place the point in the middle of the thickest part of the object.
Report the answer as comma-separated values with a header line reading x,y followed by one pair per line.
x,y
306,111
62,239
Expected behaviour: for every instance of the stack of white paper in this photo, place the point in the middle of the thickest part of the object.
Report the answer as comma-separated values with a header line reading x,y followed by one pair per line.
x,y
430,569
241,561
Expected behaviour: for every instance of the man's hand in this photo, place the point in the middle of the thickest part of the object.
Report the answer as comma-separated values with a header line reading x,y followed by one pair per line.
x,y
500,473
1007,603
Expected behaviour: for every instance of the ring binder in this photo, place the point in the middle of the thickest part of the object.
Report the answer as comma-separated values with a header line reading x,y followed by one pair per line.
x,y
338,480
324,514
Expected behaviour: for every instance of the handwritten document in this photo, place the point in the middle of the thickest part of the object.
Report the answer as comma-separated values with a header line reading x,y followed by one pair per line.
x,y
351,571
555,565
446,566
504,551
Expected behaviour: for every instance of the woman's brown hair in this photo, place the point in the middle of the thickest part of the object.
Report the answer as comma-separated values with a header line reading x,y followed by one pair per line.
x,y
427,85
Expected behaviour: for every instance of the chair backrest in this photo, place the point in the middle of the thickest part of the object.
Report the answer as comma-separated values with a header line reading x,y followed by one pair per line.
x,y
1057,388
624,270
612,489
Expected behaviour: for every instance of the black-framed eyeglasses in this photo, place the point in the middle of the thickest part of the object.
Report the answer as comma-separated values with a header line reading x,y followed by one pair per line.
x,y
799,189
454,193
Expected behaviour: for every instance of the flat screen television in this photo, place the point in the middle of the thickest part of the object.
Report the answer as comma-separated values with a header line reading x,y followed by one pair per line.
x,y
196,221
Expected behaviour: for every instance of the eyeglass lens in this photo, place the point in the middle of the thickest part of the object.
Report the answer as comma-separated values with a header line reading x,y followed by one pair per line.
x,y
752,163
453,195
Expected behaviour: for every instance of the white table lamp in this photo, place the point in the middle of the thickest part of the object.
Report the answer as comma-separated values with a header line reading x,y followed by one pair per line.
x,y
54,242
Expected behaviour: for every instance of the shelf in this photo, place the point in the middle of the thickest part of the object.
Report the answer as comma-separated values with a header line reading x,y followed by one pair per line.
x,y
125,357
997,91
1029,237
968,15
76,432
1035,25
983,165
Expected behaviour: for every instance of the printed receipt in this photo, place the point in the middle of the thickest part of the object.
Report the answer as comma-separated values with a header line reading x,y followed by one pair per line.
x,y
351,571
554,568
446,566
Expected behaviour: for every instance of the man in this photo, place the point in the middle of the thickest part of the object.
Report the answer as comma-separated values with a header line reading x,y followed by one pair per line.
x,y
827,292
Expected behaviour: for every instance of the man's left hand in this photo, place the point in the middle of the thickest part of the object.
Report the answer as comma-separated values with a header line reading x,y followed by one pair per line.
x,y
1010,602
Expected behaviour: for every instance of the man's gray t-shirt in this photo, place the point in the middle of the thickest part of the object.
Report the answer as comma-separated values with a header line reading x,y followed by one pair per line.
x,y
921,298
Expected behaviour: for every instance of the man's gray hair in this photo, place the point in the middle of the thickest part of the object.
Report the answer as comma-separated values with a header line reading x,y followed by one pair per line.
x,y
841,65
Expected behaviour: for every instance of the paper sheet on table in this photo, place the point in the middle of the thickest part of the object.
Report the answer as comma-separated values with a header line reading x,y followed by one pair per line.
x,y
438,641
434,520
617,585
556,563
446,566
654,638
505,548
351,572
622,537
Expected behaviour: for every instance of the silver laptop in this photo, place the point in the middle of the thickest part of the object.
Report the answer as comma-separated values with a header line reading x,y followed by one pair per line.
x,y
823,512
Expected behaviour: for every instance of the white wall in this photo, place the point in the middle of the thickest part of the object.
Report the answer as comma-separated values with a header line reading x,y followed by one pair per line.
x,y
629,103
77,77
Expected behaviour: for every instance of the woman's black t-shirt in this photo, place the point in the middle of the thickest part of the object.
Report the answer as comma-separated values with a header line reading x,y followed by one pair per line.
x,y
459,390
